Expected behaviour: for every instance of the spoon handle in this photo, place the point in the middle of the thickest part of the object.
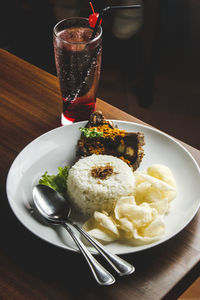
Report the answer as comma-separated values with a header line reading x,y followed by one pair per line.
x,y
102,276
121,266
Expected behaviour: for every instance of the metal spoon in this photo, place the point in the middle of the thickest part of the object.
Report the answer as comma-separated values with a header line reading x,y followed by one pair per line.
x,y
52,206
55,208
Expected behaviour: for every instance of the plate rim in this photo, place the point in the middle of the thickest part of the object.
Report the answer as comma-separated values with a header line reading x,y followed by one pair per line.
x,y
65,246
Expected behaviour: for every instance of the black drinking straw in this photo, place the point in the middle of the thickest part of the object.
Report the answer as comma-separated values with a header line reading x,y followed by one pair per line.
x,y
108,8
85,74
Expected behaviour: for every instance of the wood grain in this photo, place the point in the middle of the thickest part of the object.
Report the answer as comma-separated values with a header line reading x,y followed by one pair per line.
x,y
32,269
193,292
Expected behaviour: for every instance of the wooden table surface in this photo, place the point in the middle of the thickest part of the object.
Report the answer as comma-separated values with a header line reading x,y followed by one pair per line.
x,y
33,269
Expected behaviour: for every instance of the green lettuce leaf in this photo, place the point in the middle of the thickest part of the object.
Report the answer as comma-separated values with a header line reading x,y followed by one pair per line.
x,y
57,182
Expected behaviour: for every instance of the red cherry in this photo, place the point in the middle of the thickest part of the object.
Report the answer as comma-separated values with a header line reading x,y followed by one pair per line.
x,y
93,19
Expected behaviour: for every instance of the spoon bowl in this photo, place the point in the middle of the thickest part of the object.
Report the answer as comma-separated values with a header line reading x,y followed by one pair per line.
x,y
51,204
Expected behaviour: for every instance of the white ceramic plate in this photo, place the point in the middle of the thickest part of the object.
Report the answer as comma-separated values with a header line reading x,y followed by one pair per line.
x,y
57,148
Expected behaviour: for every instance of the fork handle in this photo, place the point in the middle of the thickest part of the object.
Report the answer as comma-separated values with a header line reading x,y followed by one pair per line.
x,y
102,276
121,266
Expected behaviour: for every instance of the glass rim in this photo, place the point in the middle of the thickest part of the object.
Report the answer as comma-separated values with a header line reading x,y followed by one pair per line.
x,y
76,43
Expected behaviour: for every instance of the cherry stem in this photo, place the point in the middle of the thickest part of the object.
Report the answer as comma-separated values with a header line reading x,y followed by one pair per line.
x,y
92,8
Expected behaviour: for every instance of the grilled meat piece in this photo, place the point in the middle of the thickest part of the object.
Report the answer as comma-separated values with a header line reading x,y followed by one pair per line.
x,y
127,146
97,119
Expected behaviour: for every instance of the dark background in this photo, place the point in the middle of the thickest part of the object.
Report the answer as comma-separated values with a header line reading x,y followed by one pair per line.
x,y
154,74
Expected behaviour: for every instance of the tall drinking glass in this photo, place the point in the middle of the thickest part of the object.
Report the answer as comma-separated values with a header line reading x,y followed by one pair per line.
x,y
78,62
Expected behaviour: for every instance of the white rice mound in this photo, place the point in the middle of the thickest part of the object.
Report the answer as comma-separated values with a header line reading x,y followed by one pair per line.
x,y
89,194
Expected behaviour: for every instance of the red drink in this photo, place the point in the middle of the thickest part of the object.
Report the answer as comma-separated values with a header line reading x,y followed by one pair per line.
x,y
78,62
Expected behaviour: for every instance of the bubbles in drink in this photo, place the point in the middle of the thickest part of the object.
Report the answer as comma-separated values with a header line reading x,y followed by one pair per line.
x,y
78,67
